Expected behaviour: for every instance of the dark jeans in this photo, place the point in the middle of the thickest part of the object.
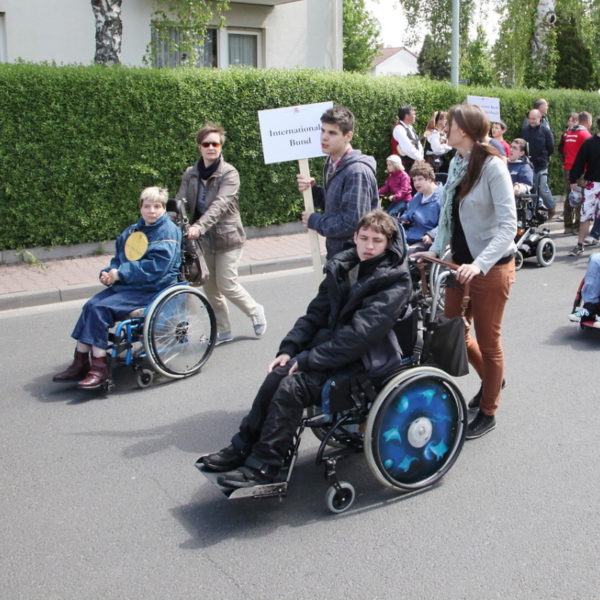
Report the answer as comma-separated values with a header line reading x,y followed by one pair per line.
x,y
267,431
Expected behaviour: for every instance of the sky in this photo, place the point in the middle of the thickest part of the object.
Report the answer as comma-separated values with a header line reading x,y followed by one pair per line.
x,y
391,20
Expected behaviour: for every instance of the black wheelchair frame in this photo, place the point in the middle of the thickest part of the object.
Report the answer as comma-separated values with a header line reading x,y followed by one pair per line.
x,y
531,242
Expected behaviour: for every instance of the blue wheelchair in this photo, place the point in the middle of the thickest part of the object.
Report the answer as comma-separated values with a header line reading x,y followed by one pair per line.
x,y
411,425
173,336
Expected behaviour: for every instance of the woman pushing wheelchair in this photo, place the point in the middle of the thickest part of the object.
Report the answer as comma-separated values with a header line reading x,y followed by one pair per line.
x,y
147,259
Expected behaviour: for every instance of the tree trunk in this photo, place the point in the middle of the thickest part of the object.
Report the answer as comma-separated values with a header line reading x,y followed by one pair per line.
x,y
109,31
545,18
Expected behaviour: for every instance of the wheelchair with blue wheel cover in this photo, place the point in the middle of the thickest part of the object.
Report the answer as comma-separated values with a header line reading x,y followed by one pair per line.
x,y
410,425
173,336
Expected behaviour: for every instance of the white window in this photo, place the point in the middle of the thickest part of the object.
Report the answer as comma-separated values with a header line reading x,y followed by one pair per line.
x,y
222,48
242,48
166,56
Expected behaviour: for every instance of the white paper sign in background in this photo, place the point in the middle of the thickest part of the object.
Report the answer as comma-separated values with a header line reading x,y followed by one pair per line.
x,y
292,132
490,106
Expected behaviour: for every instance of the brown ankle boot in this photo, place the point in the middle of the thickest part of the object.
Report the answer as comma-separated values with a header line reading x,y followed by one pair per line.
x,y
97,376
76,370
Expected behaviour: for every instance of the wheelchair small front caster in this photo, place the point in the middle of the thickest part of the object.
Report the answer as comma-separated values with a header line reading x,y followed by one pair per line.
x,y
108,386
144,378
340,499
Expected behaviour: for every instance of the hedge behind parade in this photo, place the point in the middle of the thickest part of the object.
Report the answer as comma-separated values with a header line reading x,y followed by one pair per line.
x,y
79,143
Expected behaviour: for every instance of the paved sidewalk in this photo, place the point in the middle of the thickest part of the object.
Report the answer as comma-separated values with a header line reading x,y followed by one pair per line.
x,y
60,280
74,278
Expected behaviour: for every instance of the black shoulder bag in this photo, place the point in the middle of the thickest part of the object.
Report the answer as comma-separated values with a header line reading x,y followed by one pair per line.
x,y
446,345
195,269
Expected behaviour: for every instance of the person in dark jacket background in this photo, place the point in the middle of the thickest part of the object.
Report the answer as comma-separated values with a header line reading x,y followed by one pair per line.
x,y
349,186
347,329
147,259
541,146
587,165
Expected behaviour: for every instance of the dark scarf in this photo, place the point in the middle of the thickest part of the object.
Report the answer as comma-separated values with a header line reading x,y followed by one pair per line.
x,y
205,172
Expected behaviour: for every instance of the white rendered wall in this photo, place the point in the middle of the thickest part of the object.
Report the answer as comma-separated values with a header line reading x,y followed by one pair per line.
x,y
41,30
305,33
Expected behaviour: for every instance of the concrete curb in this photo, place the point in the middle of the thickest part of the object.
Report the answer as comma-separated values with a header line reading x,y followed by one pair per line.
x,y
87,290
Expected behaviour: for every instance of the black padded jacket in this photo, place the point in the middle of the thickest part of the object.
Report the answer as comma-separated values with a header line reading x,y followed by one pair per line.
x,y
348,327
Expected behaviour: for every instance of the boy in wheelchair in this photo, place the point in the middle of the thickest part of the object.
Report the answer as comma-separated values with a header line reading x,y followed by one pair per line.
x,y
147,259
519,167
347,329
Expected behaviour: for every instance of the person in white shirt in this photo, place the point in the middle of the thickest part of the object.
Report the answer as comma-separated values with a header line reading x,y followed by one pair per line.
x,y
405,141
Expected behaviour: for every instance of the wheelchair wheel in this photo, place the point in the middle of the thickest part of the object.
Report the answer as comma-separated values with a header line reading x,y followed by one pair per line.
x,y
340,500
545,252
179,332
518,260
415,429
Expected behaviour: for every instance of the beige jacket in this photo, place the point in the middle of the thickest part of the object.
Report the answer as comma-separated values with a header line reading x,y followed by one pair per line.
x,y
221,225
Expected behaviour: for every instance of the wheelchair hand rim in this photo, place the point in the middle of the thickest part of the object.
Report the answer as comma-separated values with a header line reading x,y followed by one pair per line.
x,y
168,329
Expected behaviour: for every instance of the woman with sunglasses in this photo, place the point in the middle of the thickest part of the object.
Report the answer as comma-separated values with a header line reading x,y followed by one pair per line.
x,y
211,188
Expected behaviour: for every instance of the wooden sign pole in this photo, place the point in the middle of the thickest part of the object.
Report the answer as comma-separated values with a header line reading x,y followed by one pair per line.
x,y
313,236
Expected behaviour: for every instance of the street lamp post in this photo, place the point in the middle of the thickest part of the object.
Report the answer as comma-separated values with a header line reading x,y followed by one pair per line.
x,y
455,42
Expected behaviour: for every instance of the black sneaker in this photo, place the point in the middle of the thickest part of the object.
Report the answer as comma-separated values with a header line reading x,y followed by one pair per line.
x,y
476,399
244,477
577,250
224,460
480,425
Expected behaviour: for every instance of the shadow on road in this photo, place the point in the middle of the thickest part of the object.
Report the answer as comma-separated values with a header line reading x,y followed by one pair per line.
x,y
211,518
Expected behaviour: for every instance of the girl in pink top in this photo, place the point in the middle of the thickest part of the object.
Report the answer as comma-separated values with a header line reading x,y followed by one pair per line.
x,y
397,186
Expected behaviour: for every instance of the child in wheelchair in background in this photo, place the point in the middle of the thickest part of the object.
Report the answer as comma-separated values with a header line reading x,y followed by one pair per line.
x,y
347,329
147,259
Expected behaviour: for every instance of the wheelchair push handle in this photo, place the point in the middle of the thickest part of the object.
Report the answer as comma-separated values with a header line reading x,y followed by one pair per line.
x,y
451,270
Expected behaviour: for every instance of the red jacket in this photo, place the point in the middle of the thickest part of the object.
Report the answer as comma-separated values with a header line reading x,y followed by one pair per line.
x,y
571,142
398,186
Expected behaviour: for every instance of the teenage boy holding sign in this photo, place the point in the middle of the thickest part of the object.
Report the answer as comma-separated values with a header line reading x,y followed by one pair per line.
x,y
349,186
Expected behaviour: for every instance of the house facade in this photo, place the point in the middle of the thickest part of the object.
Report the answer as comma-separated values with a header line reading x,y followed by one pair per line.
x,y
395,61
261,33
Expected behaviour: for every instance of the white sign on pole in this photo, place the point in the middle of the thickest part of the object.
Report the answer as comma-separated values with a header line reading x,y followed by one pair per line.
x,y
291,133
490,106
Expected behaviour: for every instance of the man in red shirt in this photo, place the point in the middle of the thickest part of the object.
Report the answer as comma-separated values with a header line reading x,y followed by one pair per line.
x,y
569,146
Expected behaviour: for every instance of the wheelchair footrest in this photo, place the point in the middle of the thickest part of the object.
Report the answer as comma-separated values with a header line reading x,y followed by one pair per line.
x,y
258,491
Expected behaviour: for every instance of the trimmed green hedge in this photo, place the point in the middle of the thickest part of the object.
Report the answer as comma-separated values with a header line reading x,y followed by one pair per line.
x,y
78,144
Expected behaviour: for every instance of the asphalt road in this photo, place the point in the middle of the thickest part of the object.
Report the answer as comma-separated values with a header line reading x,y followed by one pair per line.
x,y
100,498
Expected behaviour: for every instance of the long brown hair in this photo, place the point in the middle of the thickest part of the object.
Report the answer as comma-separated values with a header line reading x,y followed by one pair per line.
x,y
475,123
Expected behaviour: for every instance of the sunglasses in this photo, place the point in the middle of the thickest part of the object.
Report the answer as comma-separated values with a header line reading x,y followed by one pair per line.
x,y
211,144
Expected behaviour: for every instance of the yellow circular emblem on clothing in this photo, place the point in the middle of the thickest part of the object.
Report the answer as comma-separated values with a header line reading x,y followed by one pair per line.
x,y
136,245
